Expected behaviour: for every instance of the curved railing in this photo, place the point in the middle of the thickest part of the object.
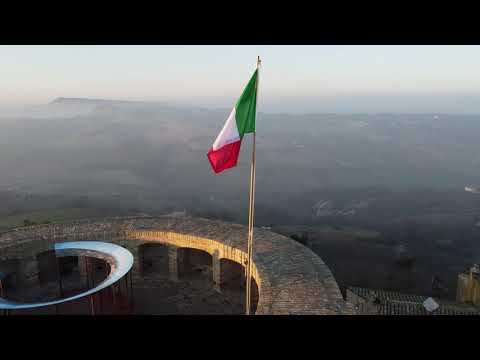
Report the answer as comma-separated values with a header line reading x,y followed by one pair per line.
x,y
121,261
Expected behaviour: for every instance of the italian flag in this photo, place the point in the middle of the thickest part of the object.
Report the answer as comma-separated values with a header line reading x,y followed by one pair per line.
x,y
225,150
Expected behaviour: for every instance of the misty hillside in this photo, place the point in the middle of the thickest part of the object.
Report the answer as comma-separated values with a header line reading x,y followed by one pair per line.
x,y
158,152
318,176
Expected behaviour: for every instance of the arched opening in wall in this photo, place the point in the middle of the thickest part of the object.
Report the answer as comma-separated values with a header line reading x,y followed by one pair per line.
x,y
68,265
68,268
232,276
195,266
47,267
153,260
255,297
91,272
64,276
9,276
99,269
38,278
233,285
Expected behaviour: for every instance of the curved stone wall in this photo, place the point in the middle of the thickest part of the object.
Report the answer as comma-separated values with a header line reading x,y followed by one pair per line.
x,y
291,279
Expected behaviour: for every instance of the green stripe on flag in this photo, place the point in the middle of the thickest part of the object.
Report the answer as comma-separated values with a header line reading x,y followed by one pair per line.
x,y
245,109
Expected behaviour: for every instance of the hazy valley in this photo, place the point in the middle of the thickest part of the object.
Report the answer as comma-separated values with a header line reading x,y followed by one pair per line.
x,y
364,191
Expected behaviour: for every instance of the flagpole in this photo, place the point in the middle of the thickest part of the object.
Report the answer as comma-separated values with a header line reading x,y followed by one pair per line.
x,y
251,213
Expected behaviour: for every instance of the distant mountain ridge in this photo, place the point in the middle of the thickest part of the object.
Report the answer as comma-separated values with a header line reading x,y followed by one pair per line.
x,y
88,101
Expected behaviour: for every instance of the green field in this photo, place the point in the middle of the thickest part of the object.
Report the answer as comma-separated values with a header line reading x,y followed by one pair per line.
x,y
53,216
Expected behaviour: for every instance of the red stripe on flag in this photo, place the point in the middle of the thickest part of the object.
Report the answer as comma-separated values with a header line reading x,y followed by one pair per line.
x,y
224,158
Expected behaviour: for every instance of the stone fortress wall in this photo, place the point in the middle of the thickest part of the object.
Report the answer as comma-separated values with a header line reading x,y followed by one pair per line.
x,y
291,279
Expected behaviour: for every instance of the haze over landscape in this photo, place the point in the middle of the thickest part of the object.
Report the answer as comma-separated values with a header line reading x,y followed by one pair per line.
x,y
363,153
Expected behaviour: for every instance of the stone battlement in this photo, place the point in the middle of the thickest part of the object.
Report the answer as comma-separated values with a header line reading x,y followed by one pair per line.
x,y
291,279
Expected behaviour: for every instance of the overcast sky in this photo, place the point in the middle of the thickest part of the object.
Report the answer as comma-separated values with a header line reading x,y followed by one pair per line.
x,y
294,78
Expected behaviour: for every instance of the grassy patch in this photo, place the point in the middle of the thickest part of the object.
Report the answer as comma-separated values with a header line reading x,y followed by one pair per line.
x,y
43,216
